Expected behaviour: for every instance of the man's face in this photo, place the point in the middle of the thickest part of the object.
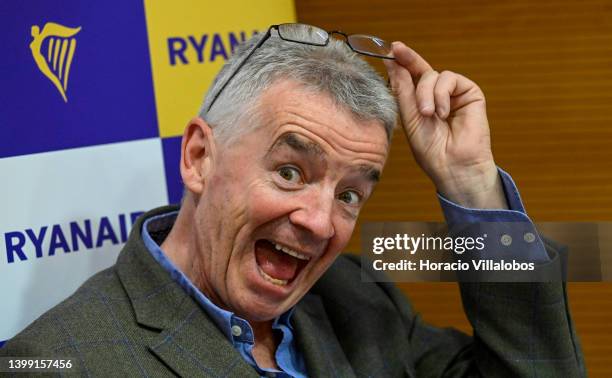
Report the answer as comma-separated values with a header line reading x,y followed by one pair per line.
x,y
281,201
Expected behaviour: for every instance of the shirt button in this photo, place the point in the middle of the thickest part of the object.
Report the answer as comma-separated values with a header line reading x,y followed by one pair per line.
x,y
506,239
529,237
236,330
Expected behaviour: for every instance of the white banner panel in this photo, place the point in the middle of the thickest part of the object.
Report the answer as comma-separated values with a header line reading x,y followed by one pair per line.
x,y
65,216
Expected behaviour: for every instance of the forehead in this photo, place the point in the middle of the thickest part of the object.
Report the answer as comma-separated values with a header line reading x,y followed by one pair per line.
x,y
289,107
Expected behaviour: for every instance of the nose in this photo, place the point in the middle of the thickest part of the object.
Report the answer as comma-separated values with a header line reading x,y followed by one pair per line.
x,y
315,214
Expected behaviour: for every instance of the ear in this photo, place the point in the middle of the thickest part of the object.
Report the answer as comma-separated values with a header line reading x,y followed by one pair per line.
x,y
197,154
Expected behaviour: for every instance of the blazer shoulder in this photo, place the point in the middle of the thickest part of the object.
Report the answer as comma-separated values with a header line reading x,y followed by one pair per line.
x,y
89,310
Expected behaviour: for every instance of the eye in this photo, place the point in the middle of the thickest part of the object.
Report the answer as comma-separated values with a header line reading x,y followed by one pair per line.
x,y
350,196
290,174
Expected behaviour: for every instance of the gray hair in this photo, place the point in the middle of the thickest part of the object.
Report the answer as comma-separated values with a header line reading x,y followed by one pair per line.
x,y
333,69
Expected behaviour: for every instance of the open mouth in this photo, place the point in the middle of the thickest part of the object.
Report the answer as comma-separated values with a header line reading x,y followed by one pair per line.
x,y
277,263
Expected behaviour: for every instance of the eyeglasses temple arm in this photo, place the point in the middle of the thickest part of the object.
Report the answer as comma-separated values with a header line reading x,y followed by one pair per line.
x,y
261,42
331,32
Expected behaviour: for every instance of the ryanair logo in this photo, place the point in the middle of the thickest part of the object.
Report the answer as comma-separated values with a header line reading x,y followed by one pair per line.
x,y
53,50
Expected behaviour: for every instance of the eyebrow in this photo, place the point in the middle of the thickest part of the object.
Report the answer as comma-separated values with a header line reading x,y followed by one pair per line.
x,y
313,150
299,144
371,173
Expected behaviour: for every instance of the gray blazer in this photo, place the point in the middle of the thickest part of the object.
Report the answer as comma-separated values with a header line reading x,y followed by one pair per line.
x,y
132,319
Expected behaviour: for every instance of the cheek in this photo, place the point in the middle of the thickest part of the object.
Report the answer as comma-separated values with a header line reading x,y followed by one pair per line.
x,y
266,202
226,187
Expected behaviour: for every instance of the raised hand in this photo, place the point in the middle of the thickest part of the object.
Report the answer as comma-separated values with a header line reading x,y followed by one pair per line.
x,y
445,120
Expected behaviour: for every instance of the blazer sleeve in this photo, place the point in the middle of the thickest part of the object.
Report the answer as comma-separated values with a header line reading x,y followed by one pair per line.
x,y
519,330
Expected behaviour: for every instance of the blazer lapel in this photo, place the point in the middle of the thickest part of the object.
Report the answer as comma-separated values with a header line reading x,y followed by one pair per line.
x,y
315,338
193,346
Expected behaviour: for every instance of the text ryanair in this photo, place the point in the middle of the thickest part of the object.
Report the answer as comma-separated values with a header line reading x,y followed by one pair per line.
x,y
203,48
70,237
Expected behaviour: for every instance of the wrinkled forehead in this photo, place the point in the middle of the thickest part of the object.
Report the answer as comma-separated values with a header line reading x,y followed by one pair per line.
x,y
288,102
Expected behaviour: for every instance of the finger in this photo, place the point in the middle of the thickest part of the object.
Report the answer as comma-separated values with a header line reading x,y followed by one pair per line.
x,y
403,88
462,91
408,58
425,93
466,91
444,89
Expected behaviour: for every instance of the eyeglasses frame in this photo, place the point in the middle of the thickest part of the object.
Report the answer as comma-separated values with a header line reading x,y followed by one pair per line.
x,y
276,27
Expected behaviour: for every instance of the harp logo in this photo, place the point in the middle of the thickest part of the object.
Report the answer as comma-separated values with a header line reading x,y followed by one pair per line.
x,y
53,50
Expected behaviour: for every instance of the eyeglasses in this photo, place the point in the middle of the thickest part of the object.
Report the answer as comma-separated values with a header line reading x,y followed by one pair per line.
x,y
311,35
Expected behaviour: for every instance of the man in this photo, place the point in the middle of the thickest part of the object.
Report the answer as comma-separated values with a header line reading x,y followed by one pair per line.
x,y
291,141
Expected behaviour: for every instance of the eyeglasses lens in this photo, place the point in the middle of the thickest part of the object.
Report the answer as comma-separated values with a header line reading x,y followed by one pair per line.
x,y
303,34
370,45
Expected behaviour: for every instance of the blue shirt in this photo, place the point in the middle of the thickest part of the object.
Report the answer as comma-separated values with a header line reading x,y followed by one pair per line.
x,y
288,358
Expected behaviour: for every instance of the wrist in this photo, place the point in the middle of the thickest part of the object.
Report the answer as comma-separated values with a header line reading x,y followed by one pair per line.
x,y
476,187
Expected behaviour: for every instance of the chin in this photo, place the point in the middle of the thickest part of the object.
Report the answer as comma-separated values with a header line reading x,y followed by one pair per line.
x,y
262,300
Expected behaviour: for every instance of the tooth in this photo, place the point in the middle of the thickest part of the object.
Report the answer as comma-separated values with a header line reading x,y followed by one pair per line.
x,y
300,256
275,281
297,255
291,252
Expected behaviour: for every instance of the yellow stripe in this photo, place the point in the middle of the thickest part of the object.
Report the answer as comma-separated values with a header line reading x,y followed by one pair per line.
x,y
69,61
49,49
60,73
55,56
